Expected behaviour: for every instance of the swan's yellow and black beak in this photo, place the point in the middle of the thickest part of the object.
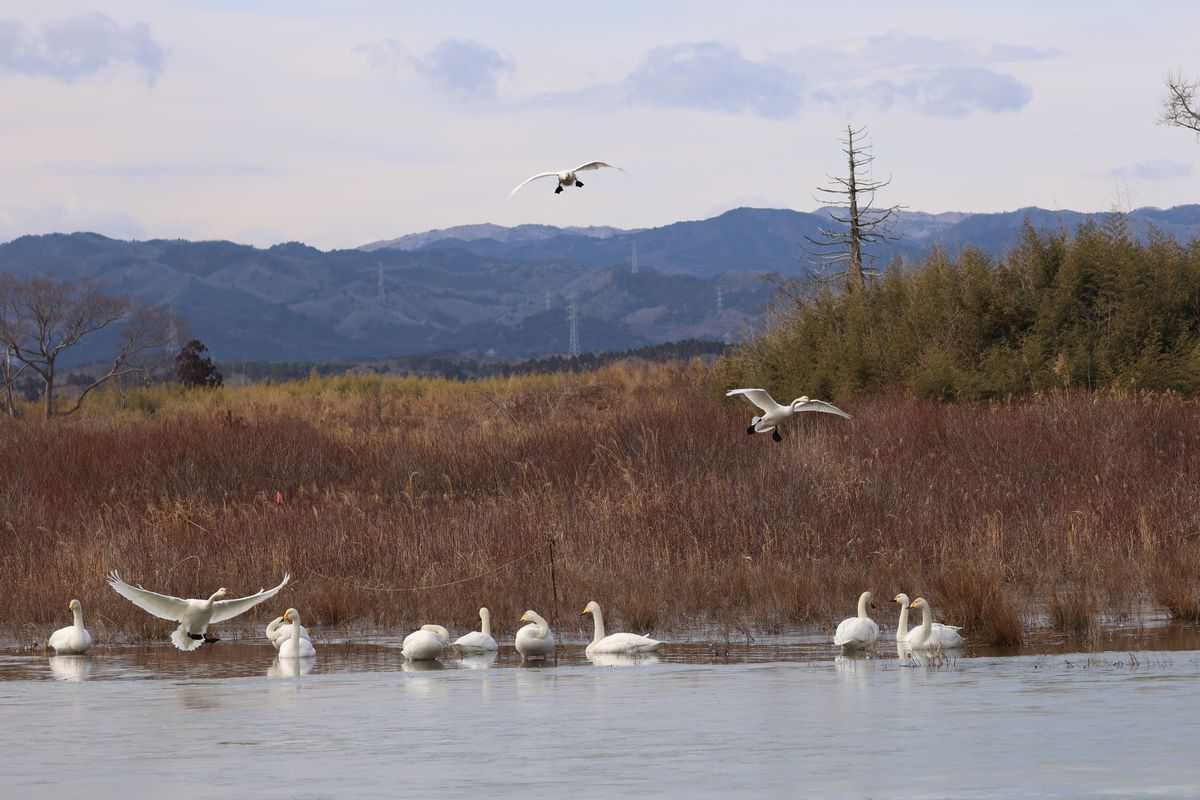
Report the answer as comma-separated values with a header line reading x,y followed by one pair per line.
x,y
286,618
913,604
522,619
585,612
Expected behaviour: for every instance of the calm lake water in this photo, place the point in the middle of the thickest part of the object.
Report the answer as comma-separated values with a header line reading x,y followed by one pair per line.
x,y
769,719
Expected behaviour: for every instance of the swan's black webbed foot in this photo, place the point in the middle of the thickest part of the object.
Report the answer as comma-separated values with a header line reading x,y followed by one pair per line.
x,y
775,435
579,183
210,639
196,636
558,190
750,430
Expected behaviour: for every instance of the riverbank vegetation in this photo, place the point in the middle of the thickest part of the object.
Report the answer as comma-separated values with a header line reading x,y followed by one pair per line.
x,y
408,500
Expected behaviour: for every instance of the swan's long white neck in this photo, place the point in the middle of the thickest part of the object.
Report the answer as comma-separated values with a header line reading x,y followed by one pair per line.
x,y
273,626
214,597
902,625
485,620
926,620
597,624
862,607
296,635
77,611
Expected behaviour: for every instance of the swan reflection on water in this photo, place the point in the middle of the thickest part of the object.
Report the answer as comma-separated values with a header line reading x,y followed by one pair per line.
x,y
290,667
424,665
854,662
478,660
928,658
623,659
71,668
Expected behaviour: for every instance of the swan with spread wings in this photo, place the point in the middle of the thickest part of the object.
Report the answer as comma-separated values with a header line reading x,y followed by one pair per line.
x,y
566,177
194,616
775,415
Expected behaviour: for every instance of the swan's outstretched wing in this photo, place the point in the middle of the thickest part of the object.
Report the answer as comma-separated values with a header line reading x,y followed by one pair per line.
x,y
160,605
595,165
823,407
534,178
759,397
228,609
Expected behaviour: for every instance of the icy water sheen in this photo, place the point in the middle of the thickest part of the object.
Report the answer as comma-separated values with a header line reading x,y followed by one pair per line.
x,y
766,720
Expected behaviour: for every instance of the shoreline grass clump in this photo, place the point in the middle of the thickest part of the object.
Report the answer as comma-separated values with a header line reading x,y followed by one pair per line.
x,y
406,500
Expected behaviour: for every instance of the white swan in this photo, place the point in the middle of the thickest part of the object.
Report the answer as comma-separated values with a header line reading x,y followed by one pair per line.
x,y
627,643
479,641
566,177
72,640
903,634
295,646
535,640
278,633
930,636
775,415
425,644
858,633
193,616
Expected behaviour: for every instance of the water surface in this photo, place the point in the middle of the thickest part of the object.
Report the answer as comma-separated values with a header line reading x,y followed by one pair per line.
x,y
781,719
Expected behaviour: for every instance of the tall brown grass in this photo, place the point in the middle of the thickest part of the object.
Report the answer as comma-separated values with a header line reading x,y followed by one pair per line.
x,y
661,508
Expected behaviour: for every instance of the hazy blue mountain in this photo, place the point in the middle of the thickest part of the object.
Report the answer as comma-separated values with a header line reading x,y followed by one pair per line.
x,y
774,240
485,288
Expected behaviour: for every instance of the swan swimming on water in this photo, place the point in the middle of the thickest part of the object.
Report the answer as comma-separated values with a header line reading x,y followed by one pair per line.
x,y
479,641
860,632
626,643
566,177
74,639
775,415
426,643
930,636
194,616
903,634
278,632
295,646
535,640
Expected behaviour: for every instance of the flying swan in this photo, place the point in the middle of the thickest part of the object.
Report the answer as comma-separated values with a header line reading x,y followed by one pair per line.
x,y
903,634
193,616
425,644
479,641
565,178
279,633
858,633
535,640
627,643
775,415
73,640
295,646
930,636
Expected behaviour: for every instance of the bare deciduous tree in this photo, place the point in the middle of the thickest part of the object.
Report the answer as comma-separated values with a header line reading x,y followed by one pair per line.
x,y
865,224
41,317
1180,106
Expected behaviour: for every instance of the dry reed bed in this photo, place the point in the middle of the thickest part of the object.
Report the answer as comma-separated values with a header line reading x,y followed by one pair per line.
x,y
1067,508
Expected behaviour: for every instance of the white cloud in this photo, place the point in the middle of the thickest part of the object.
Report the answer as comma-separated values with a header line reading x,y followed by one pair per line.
x,y
1161,169
78,47
460,68
714,76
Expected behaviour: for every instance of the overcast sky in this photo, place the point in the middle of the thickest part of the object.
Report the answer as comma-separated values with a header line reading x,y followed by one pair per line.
x,y
340,123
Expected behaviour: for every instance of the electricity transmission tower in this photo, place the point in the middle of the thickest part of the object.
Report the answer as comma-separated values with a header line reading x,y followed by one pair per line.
x,y
633,267
379,291
573,321
720,300
841,251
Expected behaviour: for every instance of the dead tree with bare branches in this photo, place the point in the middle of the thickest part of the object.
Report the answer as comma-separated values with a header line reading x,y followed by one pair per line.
x,y
843,251
1180,107
42,317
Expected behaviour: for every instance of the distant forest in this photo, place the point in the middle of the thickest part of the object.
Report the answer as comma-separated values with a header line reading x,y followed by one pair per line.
x,y
1096,309
456,367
